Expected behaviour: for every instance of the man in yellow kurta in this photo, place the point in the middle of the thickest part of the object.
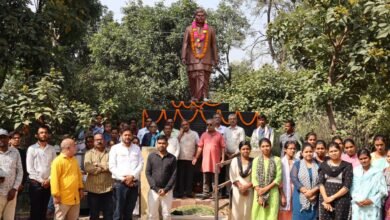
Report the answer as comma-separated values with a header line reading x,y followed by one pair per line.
x,y
66,182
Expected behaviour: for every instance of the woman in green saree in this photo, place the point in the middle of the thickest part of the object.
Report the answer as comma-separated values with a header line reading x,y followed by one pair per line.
x,y
266,178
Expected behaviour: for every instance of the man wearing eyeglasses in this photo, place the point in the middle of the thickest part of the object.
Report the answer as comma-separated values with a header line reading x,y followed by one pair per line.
x,y
212,147
144,130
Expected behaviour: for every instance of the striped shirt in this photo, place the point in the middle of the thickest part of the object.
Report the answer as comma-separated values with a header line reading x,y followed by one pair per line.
x,y
98,175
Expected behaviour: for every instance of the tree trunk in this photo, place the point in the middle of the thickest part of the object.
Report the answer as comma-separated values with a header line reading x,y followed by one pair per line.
x,y
330,114
329,104
3,74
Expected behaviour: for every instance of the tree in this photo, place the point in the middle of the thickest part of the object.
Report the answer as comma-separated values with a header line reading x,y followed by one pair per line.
x,y
346,44
50,36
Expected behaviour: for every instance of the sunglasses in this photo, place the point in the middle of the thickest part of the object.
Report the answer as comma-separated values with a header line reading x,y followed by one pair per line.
x,y
209,124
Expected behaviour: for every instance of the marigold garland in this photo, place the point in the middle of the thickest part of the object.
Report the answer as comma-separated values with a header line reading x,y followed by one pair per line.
x,y
193,104
163,114
246,123
195,36
177,112
222,119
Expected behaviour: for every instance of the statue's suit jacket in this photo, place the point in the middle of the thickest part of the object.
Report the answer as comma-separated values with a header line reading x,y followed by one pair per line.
x,y
208,60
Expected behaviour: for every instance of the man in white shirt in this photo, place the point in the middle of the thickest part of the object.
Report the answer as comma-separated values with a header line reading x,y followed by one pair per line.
x,y
38,163
144,130
218,127
11,175
234,134
173,143
262,131
188,141
125,164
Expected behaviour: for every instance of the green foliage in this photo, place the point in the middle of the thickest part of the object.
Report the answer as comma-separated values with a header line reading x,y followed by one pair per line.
x,y
256,90
346,47
51,35
23,104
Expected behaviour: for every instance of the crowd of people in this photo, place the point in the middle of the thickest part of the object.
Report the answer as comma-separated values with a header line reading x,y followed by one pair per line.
x,y
308,180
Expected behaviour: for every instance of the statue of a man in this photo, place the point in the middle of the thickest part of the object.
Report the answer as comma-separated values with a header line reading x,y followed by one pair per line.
x,y
199,53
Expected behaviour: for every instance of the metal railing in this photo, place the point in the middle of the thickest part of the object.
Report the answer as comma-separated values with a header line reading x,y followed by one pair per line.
x,y
218,186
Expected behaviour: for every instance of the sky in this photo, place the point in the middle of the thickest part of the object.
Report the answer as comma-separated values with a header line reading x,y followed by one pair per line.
x,y
116,5
236,54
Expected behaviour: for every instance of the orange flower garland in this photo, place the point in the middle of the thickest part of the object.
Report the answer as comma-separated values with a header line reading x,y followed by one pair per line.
x,y
204,49
193,104
178,115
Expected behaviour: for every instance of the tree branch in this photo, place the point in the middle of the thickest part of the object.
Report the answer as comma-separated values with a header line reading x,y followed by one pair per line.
x,y
269,39
223,74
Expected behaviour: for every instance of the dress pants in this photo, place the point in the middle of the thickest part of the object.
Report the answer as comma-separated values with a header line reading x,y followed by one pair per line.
x,y
7,208
124,200
39,199
184,180
67,212
100,202
154,203
208,179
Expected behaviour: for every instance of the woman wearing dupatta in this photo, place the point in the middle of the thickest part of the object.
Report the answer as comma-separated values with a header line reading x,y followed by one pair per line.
x,y
266,177
335,178
305,177
368,189
285,210
240,176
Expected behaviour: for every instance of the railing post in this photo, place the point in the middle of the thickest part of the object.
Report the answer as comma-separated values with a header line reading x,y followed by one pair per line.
x,y
216,204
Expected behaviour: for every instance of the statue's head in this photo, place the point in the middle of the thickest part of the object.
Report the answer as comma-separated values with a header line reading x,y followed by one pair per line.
x,y
200,15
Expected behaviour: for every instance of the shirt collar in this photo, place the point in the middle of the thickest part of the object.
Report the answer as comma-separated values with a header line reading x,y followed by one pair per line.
x,y
159,156
10,149
290,135
97,151
36,145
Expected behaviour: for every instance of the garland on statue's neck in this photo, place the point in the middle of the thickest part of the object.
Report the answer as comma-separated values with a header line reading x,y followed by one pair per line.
x,y
197,38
